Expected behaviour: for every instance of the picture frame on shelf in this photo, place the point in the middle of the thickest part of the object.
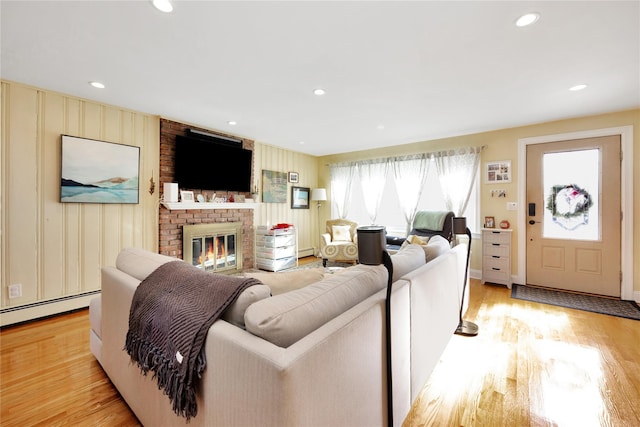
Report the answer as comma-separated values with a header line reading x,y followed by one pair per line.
x,y
489,222
300,197
497,172
187,196
293,177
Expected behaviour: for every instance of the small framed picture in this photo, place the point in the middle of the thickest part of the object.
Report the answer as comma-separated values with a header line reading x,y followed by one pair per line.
x,y
299,198
293,177
498,172
489,222
187,197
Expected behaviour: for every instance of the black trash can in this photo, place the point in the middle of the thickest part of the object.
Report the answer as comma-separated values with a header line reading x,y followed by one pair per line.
x,y
371,244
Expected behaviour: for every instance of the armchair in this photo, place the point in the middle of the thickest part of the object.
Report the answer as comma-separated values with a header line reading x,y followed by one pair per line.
x,y
340,242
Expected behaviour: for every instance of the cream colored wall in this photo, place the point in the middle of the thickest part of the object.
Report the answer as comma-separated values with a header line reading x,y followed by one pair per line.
x,y
56,250
503,145
277,159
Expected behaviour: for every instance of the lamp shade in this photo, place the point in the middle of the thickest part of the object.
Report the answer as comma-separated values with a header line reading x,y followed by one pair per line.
x,y
459,225
319,194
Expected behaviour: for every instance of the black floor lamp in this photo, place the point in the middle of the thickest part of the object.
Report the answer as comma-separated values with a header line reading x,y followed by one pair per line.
x,y
372,251
464,327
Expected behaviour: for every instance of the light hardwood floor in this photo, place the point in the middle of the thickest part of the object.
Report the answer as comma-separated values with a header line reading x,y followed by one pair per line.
x,y
531,365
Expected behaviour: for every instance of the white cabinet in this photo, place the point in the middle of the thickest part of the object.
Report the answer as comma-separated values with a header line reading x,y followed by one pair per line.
x,y
496,256
276,249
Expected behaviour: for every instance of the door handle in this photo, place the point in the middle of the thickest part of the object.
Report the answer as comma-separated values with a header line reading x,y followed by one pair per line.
x,y
532,209
531,222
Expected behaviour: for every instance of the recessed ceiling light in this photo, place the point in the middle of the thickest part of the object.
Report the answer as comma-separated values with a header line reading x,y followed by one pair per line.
x,y
380,127
527,19
232,122
577,87
319,91
97,85
301,142
163,5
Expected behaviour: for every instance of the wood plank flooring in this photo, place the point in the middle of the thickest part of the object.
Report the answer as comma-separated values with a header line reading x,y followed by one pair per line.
x,y
531,365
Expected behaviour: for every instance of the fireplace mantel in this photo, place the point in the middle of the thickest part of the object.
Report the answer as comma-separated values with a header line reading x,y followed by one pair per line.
x,y
194,205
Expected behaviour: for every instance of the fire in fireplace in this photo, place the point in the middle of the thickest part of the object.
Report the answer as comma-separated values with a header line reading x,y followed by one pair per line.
x,y
213,247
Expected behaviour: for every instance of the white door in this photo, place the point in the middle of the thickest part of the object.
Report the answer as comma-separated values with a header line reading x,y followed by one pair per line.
x,y
573,215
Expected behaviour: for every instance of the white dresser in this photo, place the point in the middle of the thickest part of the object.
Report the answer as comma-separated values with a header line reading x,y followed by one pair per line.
x,y
276,249
496,256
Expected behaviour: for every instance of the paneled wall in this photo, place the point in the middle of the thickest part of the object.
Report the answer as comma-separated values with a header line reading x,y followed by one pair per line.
x,y
306,220
55,250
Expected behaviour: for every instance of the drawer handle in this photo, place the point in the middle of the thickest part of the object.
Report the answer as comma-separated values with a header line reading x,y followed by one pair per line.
x,y
495,232
495,256
495,244
496,269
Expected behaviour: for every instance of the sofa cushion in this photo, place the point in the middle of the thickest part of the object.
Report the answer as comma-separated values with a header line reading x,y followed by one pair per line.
x,y
139,263
286,318
407,259
437,246
286,281
234,314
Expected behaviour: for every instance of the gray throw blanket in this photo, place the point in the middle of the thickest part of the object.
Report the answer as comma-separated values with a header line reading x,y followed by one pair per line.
x,y
171,313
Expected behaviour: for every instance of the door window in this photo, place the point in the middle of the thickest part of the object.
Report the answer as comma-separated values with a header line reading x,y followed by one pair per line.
x,y
571,195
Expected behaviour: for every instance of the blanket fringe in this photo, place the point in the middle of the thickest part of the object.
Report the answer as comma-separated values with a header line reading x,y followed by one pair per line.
x,y
170,382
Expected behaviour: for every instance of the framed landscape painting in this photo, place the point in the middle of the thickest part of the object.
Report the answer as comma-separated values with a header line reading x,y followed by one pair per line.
x,y
98,171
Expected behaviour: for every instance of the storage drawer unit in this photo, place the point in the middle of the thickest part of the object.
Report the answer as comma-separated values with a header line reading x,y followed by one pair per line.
x,y
276,249
496,256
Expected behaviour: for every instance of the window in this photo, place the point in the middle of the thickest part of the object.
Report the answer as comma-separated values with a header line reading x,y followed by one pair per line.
x,y
390,214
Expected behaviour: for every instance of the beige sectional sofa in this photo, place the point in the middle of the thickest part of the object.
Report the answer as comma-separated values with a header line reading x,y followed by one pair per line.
x,y
314,356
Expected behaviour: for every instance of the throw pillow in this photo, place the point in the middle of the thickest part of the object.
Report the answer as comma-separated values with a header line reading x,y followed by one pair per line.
x,y
234,314
406,260
415,240
286,281
437,246
341,233
284,319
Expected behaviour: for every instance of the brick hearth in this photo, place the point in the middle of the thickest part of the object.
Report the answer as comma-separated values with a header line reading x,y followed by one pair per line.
x,y
172,221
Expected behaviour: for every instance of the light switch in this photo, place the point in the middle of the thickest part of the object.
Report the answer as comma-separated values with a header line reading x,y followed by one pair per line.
x,y
512,206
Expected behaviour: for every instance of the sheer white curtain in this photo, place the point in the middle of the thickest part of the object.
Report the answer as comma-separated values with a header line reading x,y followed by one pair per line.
x,y
341,178
457,170
373,174
410,175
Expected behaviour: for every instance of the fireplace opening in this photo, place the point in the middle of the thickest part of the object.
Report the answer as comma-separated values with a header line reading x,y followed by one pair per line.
x,y
213,247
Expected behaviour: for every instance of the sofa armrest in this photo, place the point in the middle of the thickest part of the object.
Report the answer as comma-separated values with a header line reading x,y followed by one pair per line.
x,y
326,239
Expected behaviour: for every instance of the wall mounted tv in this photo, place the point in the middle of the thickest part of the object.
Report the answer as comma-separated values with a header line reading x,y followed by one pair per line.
x,y
211,164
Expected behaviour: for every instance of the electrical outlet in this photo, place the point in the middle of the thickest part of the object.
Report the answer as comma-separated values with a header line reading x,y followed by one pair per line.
x,y
512,206
15,290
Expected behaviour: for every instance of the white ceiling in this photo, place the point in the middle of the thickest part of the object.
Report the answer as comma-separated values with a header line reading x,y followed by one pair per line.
x,y
421,69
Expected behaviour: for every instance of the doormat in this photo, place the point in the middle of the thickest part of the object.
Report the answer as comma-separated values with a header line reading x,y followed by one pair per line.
x,y
595,304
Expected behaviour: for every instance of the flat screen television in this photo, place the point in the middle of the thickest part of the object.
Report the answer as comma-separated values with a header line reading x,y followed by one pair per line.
x,y
206,164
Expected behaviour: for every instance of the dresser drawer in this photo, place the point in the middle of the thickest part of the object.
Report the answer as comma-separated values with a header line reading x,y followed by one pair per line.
x,y
496,249
275,253
496,276
496,237
275,241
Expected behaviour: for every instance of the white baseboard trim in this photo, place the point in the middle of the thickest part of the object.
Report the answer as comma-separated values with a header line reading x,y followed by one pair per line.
x,y
13,315
636,296
306,252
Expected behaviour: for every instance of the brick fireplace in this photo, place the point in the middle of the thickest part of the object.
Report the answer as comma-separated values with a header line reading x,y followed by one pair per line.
x,y
172,221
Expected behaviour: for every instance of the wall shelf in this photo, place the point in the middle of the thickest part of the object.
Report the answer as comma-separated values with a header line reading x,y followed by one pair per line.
x,y
195,205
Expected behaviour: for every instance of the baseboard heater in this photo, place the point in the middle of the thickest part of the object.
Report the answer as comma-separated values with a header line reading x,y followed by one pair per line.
x,y
40,309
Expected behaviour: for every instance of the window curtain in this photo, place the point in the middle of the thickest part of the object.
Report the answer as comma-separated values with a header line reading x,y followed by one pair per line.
x,y
373,174
457,171
341,179
410,175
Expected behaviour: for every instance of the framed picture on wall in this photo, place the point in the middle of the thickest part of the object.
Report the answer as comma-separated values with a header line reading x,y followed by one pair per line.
x,y
300,198
98,171
293,177
497,172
